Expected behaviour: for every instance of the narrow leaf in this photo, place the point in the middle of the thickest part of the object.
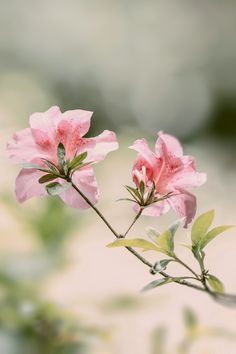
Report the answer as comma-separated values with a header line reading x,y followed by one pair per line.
x,y
78,160
134,192
215,283
142,188
138,242
61,153
151,194
46,178
174,227
213,233
79,166
159,340
190,319
162,265
126,199
56,188
30,165
166,240
156,283
201,226
153,234
51,165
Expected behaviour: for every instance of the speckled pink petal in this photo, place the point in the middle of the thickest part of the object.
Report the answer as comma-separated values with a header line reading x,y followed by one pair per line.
x,y
104,143
157,209
189,161
85,180
141,146
27,185
22,147
78,119
184,204
45,121
188,179
71,127
168,144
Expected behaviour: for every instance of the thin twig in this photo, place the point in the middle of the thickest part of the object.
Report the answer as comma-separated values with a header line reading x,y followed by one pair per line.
x,y
187,267
96,210
130,249
134,221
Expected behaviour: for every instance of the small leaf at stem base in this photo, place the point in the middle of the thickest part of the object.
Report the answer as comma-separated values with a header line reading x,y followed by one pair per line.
x,y
46,178
215,283
213,233
61,153
138,242
201,226
156,283
56,188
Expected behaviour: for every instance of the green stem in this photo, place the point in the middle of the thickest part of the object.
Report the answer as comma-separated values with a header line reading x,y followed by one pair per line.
x,y
134,221
130,249
187,267
96,210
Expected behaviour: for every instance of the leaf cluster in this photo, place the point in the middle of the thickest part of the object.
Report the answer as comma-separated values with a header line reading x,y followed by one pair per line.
x,y
64,170
164,243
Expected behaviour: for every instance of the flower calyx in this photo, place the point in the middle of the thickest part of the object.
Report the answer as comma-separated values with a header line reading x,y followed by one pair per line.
x,y
145,195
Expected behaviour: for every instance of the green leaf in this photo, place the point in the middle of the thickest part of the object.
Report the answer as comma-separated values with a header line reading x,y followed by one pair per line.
x,y
162,264
134,192
156,283
51,165
201,226
65,167
166,240
142,187
126,199
137,242
215,283
150,198
153,234
186,246
213,233
30,165
79,166
190,319
174,227
56,188
46,178
78,160
61,153
159,340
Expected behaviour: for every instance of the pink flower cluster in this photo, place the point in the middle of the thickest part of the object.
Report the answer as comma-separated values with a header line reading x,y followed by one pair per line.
x,y
166,172
171,173
40,142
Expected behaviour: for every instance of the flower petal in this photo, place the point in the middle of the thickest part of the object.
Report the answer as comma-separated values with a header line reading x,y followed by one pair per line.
x,y
71,127
157,209
190,161
45,121
168,144
22,147
78,119
105,143
85,180
27,185
141,146
188,179
184,204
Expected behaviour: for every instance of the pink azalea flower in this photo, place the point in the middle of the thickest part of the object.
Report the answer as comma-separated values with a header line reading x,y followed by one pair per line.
x,y
164,177
39,144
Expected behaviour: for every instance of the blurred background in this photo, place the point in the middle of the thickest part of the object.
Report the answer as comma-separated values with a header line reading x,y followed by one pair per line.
x,y
141,66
